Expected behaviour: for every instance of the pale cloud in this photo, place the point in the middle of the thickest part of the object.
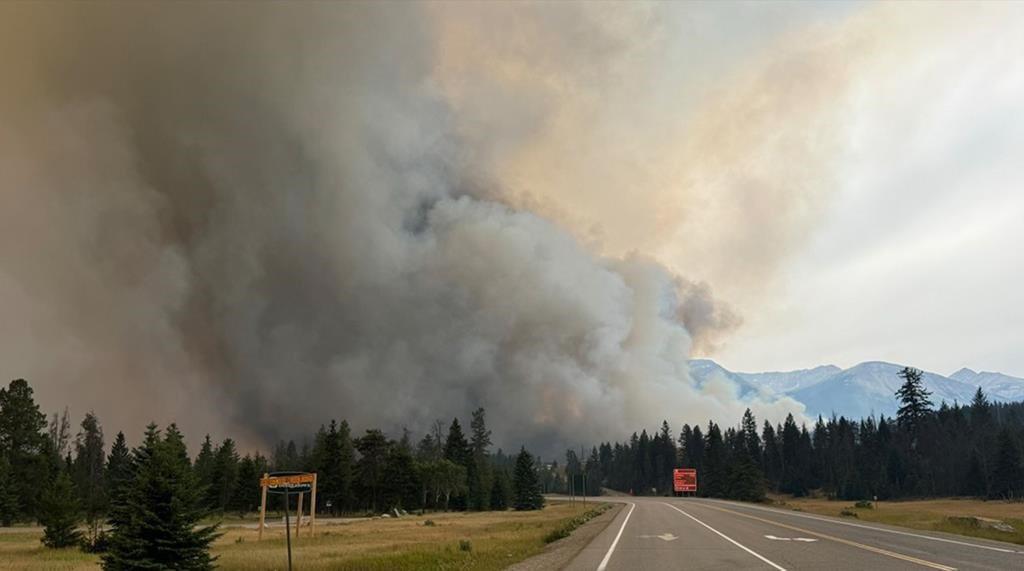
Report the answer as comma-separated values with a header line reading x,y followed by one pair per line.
x,y
918,258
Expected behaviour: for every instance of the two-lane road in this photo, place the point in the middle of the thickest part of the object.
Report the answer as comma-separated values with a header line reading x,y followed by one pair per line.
x,y
690,533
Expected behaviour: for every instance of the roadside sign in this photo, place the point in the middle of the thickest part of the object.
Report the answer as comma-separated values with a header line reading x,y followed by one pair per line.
x,y
288,482
684,480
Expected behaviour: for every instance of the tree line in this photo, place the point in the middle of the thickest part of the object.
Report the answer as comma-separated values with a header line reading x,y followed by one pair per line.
x,y
152,498
954,450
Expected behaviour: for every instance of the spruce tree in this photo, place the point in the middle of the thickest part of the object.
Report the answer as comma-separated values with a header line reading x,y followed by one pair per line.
x,y
59,513
915,404
204,464
457,451
118,475
1008,475
526,485
501,492
224,476
88,472
8,501
157,525
246,494
23,441
480,475
373,449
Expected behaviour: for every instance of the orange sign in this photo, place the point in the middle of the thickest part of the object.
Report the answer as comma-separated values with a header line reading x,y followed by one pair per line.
x,y
684,479
290,482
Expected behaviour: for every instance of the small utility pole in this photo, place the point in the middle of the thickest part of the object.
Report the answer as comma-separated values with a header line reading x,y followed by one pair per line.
x,y
583,473
572,487
287,528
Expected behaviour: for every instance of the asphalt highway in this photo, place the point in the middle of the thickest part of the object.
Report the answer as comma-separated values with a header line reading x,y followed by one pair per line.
x,y
690,533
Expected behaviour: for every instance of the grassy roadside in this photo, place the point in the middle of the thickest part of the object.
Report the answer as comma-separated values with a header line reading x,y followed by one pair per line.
x,y
487,540
971,517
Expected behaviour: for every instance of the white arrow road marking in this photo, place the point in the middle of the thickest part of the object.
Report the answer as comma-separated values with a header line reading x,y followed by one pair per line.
x,y
807,539
725,537
664,537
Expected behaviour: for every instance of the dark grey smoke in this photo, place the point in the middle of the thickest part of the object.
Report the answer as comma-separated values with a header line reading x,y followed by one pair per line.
x,y
255,217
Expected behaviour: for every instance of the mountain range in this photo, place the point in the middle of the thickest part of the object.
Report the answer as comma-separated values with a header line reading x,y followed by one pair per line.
x,y
862,390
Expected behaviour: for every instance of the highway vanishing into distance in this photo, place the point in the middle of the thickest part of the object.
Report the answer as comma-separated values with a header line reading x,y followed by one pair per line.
x,y
691,533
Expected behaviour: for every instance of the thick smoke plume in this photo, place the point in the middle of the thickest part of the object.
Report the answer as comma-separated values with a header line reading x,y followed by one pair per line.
x,y
255,217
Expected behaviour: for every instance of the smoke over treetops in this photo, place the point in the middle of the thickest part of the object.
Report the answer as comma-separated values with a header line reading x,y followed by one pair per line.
x,y
255,217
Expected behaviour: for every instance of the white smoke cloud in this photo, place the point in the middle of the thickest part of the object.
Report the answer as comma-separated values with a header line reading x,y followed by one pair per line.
x,y
258,217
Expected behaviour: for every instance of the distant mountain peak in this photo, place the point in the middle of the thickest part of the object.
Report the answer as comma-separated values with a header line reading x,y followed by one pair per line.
x,y
864,389
964,375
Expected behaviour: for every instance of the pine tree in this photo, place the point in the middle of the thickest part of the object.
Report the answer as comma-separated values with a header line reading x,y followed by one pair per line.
x,y
88,472
501,492
344,478
401,479
479,469
373,449
915,404
23,441
1008,475
332,452
204,465
794,463
156,527
456,448
246,494
8,501
457,451
223,476
526,485
118,475
59,513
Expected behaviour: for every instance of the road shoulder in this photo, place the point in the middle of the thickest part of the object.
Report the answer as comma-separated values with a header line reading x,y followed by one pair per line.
x,y
559,553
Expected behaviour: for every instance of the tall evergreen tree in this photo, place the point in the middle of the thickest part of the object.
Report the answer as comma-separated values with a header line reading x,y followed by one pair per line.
x,y
23,441
8,501
59,513
401,483
457,451
203,465
88,474
223,476
157,525
501,492
373,449
479,469
118,475
1008,475
246,496
525,484
915,404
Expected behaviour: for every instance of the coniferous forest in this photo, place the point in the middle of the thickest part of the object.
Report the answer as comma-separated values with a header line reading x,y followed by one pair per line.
x,y
119,499
925,451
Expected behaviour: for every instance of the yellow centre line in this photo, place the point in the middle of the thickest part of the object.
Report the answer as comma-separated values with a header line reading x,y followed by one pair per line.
x,y
878,550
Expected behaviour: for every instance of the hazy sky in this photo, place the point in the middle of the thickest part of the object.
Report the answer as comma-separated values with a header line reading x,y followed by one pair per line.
x,y
402,212
918,256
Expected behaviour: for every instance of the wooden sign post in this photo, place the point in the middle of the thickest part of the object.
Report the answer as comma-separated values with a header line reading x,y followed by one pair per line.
x,y
288,483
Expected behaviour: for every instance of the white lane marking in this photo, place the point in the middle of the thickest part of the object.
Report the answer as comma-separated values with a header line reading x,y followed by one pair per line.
x,y
893,531
611,549
663,537
806,539
726,537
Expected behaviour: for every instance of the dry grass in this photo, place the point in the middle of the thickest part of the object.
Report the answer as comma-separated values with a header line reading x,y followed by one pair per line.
x,y
495,540
928,515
